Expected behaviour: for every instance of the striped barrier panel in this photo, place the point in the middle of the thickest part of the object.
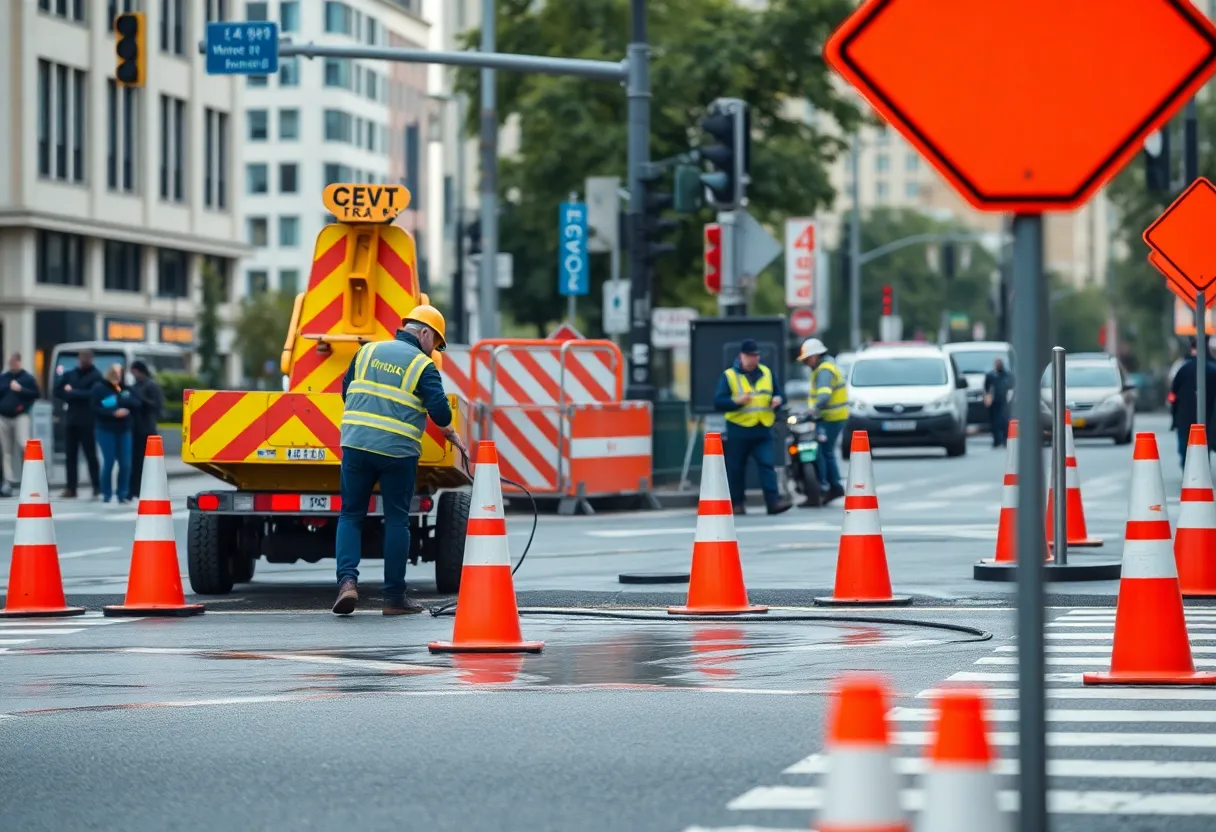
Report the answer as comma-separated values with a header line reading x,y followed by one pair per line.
x,y
609,449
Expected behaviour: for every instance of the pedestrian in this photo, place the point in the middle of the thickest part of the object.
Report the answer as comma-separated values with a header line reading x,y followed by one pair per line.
x,y
151,405
1185,400
389,390
75,389
829,403
115,408
998,387
18,392
745,393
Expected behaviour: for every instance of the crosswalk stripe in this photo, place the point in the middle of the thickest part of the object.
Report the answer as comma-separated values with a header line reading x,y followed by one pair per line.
x,y
1082,769
1124,694
1058,801
1091,648
985,676
75,621
1080,739
1110,636
15,640
1071,715
1076,661
43,631
1108,623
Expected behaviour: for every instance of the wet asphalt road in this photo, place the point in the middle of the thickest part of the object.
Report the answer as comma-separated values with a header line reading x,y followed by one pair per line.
x,y
267,714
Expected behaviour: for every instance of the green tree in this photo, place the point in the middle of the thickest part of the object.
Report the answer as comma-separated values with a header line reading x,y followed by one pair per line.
x,y
571,128
261,328
210,365
922,293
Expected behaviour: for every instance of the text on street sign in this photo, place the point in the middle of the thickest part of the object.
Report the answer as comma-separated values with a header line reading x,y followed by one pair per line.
x,y
800,262
365,203
242,48
573,276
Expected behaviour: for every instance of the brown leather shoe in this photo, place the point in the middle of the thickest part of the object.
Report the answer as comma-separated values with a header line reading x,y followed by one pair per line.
x,y
781,507
402,606
68,494
348,596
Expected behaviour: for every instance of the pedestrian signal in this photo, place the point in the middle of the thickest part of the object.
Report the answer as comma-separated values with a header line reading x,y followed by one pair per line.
x,y
130,46
888,301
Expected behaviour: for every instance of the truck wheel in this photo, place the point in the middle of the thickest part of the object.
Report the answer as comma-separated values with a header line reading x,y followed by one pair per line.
x,y
207,555
451,522
243,566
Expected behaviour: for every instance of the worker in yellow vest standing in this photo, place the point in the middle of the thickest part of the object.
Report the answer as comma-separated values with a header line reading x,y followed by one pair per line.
x,y
829,403
746,394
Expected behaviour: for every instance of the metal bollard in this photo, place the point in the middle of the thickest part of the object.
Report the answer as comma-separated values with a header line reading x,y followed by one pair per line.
x,y
1059,453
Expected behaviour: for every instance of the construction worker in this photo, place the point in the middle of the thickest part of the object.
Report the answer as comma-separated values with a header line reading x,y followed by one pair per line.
x,y
389,389
745,395
829,403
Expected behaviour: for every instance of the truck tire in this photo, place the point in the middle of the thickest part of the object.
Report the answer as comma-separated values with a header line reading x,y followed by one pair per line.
x,y
451,522
243,566
207,556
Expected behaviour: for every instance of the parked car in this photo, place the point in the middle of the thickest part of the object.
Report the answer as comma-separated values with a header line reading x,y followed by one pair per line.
x,y
974,359
907,396
1100,397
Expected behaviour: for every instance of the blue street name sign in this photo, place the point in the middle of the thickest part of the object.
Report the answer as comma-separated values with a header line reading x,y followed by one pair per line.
x,y
573,276
243,48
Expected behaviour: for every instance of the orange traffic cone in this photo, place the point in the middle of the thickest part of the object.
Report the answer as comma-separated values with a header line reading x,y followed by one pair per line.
x,y
35,586
1151,645
715,585
861,788
959,787
1195,538
861,561
1078,535
1006,528
487,618
154,586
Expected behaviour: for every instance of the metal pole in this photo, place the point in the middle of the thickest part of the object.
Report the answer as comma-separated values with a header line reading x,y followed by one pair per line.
x,y
638,60
1201,360
1059,456
1028,298
855,245
487,313
730,298
459,313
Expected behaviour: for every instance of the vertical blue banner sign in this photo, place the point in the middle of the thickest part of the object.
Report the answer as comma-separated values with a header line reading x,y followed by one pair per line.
x,y
572,263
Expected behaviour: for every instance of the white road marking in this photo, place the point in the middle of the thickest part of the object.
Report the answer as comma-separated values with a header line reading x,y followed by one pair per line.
x,y
1078,739
84,553
1131,769
983,676
1063,802
1110,636
15,640
1071,715
1145,694
86,620
1090,648
1075,661
44,631
1106,624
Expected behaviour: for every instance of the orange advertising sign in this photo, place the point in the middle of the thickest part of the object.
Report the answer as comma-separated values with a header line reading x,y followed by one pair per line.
x,y
365,202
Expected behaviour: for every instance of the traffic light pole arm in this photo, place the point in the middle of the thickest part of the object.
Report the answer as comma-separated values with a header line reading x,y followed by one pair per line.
x,y
917,239
600,70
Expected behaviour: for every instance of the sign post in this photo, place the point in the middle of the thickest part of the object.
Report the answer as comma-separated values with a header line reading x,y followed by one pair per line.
x,y
1026,147
573,274
242,48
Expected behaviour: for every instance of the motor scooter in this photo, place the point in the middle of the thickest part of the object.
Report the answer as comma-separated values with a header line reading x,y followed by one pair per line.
x,y
802,448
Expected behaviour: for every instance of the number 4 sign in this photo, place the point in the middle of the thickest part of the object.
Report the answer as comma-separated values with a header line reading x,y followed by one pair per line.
x,y
799,262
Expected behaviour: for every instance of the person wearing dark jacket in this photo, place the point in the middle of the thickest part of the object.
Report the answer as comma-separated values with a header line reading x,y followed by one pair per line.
x,y
1184,401
115,407
75,390
18,392
151,405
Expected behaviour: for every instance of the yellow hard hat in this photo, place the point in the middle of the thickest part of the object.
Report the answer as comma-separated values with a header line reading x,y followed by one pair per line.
x,y
433,318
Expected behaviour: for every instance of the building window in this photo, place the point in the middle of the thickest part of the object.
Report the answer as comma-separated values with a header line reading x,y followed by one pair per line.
x,y
59,259
337,73
217,268
217,10
289,280
125,120
289,231
882,163
124,266
336,173
257,11
373,31
289,124
258,81
413,165
288,178
338,126
173,26
881,191
289,72
215,159
337,18
884,135
373,91
61,121
257,177
259,125
289,16
67,9
256,228
911,163
912,190
172,148
173,273
115,6
44,118
80,93
259,281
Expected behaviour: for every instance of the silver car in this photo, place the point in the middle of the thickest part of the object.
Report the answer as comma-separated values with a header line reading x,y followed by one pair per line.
x,y
1101,399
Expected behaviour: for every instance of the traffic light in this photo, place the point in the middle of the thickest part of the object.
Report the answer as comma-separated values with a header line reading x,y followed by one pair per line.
x,y
689,192
654,227
1158,176
474,232
728,123
888,301
948,261
712,252
130,45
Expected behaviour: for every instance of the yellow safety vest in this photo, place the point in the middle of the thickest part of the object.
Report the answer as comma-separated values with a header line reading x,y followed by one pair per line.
x,y
383,414
759,408
837,408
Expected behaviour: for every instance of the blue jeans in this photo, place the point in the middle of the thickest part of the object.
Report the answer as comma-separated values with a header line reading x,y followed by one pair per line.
x,y
829,467
361,470
115,447
998,417
745,444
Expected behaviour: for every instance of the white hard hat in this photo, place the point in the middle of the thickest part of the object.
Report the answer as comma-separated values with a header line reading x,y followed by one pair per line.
x,y
811,347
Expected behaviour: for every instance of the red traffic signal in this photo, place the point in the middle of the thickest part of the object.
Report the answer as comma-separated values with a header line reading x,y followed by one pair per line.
x,y
712,251
888,301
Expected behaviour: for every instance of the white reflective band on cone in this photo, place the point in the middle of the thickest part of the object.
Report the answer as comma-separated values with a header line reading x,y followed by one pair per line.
x,y
155,527
961,799
1149,559
1072,481
154,482
34,488
1009,496
1196,514
1195,473
861,475
1147,500
34,531
714,484
861,522
715,528
486,504
861,787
